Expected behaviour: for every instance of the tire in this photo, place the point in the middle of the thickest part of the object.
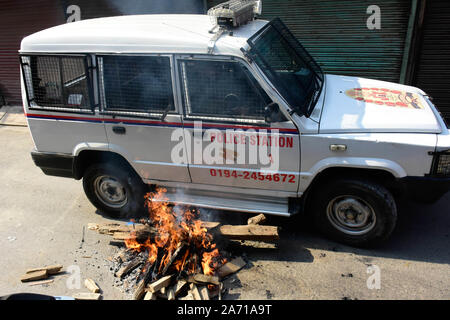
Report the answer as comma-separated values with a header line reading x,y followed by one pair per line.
x,y
115,190
356,212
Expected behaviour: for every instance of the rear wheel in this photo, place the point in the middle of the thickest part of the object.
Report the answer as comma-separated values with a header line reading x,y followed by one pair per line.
x,y
114,190
356,212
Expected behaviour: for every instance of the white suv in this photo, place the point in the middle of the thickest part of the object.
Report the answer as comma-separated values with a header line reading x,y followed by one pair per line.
x,y
230,114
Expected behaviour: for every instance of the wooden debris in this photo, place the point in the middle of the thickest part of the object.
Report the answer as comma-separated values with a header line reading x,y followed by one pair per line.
x,y
160,283
203,278
140,291
250,232
153,283
87,296
259,219
195,292
93,226
231,267
179,286
36,283
113,228
171,293
189,296
34,275
150,296
204,293
210,224
91,285
123,271
50,269
120,235
220,290
109,228
173,257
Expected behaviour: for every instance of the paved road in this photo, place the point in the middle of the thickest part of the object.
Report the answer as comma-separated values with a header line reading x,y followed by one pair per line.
x,y
42,219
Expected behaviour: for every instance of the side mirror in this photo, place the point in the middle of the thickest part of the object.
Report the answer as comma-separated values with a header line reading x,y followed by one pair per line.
x,y
272,113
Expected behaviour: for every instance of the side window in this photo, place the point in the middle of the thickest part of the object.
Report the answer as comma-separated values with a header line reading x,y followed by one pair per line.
x,y
221,89
140,84
57,82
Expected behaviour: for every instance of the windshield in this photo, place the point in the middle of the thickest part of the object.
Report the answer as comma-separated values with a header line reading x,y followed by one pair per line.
x,y
289,67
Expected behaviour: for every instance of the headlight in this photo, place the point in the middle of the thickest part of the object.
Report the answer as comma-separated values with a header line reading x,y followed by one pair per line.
x,y
441,164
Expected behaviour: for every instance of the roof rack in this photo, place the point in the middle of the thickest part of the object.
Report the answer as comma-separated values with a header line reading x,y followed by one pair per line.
x,y
232,14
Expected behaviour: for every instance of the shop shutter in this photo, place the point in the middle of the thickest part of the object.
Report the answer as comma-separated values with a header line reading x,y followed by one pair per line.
x,y
335,33
17,20
433,68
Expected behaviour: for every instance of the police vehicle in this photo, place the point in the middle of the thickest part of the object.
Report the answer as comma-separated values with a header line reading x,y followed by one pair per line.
x,y
227,111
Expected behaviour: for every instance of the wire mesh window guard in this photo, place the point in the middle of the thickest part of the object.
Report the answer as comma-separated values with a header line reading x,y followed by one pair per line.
x,y
221,90
141,84
59,83
287,65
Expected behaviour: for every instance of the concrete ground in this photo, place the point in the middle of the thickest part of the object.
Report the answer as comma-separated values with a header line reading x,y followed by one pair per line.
x,y
12,116
42,220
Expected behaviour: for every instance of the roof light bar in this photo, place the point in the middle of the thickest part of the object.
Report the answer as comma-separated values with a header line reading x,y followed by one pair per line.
x,y
235,13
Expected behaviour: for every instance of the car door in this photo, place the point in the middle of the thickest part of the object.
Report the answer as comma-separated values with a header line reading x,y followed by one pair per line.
x,y
140,114
229,142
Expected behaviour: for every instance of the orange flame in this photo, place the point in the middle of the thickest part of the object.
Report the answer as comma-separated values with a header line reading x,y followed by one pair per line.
x,y
175,228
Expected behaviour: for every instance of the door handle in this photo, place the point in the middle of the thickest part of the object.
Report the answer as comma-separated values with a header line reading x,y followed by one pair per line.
x,y
119,130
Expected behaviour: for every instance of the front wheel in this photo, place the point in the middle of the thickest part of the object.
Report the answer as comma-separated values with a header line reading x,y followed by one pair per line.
x,y
356,212
114,190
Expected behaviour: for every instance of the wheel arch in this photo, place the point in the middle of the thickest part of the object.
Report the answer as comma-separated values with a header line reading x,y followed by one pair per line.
x,y
381,176
86,158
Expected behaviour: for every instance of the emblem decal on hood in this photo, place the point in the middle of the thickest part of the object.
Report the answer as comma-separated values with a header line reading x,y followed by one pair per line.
x,y
386,97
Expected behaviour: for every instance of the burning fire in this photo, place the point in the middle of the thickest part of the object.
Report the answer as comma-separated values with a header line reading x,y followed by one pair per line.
x,y
181,242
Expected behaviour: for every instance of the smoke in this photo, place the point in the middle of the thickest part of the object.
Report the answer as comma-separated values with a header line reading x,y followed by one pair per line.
x,y
159,6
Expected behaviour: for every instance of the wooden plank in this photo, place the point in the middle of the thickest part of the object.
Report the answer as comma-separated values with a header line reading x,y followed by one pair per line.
x,y
123,271
259,219
250,232
231,267
173,257
93,226
109,228
179,286
140,291
120,235
91,285
171,293
210,224
204,292
150,296
87,296
34,275
50,269
195,292
112,228
216,291
160,283
36,283
203,278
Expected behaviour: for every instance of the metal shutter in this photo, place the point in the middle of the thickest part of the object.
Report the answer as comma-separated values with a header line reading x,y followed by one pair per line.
x,y
433,69
17,20
336,34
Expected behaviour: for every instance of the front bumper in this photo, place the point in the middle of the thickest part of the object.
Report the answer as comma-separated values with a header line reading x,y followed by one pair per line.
x,y
426,189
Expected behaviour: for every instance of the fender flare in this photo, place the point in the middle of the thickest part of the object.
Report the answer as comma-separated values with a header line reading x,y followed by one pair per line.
x,y
306,178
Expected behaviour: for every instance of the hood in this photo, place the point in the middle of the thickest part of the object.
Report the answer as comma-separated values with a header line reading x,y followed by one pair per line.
x,y
354,104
